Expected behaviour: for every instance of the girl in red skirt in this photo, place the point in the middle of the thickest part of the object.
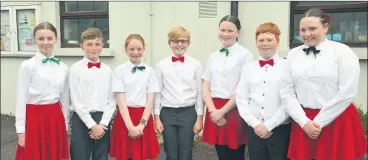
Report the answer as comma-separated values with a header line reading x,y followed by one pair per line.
x,y
325,76
134,84
42,101
223,126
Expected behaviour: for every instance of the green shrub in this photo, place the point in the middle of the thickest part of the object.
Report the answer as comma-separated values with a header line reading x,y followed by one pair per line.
x,y
364,118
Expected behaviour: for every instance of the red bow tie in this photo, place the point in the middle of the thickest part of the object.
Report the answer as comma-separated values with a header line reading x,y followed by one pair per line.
x,y
174,59
90,65
262,62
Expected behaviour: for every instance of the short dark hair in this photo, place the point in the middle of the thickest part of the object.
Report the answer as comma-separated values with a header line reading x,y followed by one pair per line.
x,y
45,25
316,12
233,19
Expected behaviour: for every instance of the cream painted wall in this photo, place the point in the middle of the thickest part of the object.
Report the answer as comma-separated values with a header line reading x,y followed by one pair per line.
x,y
153,20
278,13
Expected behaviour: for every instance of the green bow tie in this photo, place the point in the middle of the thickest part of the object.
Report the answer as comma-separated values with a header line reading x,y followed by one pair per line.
x,y
225,50
141,68
52,59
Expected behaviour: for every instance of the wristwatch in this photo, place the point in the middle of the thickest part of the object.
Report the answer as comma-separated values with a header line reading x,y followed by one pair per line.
x,y
144,122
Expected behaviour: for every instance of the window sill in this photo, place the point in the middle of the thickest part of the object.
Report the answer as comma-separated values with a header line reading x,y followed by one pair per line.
x,y
64,52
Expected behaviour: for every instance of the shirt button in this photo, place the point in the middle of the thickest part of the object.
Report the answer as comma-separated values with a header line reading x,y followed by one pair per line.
x,y
264,81
263,94
262,119
262,107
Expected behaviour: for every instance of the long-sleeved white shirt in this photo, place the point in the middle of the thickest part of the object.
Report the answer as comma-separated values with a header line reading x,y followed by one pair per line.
x,y
328,81
258,94
135,85
180,84
41,83
90,91
223,72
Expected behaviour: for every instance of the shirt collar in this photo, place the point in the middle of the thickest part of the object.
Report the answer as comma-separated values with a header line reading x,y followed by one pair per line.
x,y
320,45
275,58
232,48
39,56
172,54
86,60
131,65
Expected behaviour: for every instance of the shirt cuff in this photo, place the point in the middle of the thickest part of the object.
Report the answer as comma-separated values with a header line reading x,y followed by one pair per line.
x,y
105,122
21,129
156,111
91,123
67,126
269,126
199,111
302,121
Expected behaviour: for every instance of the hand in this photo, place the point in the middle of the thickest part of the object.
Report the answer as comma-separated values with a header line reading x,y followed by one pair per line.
x,y
141,128
158,125
21,139
211,109
261,131
221,122
312,129
216,115
198,126
134,132
97,131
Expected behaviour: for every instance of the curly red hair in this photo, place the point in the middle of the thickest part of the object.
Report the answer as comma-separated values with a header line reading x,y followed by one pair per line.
x,y
269,27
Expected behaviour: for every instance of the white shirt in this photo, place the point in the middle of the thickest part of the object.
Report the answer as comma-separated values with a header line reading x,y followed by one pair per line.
x,y
41,83
258,95
328,82
90,91
224,72
134,85
180,84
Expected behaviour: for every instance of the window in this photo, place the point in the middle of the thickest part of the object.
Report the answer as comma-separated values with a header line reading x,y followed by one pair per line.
x,y
348,21
77,16
17,24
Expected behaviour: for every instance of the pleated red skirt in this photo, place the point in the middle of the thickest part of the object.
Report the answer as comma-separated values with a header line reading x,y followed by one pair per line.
x,y
343,139
232,134
45,137
123,147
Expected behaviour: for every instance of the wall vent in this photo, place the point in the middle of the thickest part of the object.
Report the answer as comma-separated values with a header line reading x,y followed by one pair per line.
x,y
207,9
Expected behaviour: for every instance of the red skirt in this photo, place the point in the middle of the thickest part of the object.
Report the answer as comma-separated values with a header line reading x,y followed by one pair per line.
x,y
232,134
45,137
123,147
343,139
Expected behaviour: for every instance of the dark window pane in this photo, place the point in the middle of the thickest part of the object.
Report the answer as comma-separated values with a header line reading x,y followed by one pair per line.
x,y
73,28
345,27
71,31
85,6
71,6
101,6
103,25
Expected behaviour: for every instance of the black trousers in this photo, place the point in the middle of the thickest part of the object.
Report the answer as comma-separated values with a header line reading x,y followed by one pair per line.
x,y
272,148
178,132
225,153
81,146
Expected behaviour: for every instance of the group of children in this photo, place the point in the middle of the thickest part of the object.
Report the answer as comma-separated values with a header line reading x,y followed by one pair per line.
x,y
249,102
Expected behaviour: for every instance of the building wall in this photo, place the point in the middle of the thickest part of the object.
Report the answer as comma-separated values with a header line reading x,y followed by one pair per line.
x,y
153,20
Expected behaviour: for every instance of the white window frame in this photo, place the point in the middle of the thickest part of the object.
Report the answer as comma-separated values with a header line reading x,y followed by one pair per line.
x,y
14,50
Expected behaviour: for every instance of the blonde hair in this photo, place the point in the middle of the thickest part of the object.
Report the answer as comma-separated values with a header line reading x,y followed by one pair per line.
x,y
91,33
178,32
269,27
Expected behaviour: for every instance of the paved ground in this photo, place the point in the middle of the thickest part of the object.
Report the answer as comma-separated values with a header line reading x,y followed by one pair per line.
x,y
201,151
9,141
